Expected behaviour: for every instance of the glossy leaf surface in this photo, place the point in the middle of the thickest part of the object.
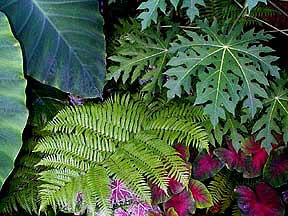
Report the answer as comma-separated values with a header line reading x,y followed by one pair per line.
x,y
13,113
63,42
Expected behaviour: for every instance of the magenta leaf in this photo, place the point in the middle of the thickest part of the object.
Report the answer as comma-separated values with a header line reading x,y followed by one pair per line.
x,y
183,204
119,193
265,201
158,195
175,187
276,169
255,164
206,165
232,159
200,193
183,151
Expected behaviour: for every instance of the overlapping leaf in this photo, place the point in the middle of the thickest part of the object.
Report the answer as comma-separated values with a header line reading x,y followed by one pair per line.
x,y
13,113
230,68
151,8
276,169
140,55
63,42
200,193
274,118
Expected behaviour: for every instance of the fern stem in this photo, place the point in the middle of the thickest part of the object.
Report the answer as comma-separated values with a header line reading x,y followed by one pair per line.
x,y
278,8
268,24
237,19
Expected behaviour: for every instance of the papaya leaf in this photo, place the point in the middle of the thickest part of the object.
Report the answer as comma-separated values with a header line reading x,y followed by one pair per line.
x,y
201,195
236,69
63,42
265,200
13,111
275,112
151,8
276,169
140,55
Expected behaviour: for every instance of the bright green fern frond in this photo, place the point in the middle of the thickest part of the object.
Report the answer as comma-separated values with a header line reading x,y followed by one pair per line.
x,y
88,145
173,130
173,163
123,169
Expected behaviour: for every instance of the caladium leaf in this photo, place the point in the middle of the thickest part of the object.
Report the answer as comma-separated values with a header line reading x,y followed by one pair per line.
x,y
151,8
206,165
236,68
265,201
182,203
63,42
158,195
276,109
232,158
255,159
200,193
120,212
13,111
140,55
276,169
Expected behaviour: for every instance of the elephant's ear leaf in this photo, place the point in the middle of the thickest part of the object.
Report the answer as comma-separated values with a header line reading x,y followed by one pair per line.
x,y
13,113
63,42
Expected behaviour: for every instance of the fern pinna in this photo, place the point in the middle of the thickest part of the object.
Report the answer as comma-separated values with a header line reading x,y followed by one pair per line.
x,y
122,138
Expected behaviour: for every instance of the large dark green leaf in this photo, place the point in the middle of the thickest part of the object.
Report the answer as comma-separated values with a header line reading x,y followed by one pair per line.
x,y
13,113
63,42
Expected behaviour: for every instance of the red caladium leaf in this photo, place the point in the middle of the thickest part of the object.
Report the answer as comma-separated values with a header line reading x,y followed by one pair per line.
x,y
265,201
175,187
200,194
183,204
206,165
232,159
183,151
276,169
256,160
158,195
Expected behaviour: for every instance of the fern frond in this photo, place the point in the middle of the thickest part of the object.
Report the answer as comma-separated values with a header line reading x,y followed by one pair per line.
x,y
221,189
174,130
117,139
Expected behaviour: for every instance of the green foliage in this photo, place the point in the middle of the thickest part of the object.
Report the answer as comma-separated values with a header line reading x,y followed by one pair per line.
x,y
122,138
63,42
274,117
140,55
13,112
151,7
230,67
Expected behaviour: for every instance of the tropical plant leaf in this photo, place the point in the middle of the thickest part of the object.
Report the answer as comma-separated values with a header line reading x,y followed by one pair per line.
x,y
265,200
140,55
182,203
151,8
276,169
235,69
13,111
63,42
206,165
274,118
200,194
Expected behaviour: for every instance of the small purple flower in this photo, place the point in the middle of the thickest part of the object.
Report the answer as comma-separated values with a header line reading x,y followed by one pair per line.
x,y
119,193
